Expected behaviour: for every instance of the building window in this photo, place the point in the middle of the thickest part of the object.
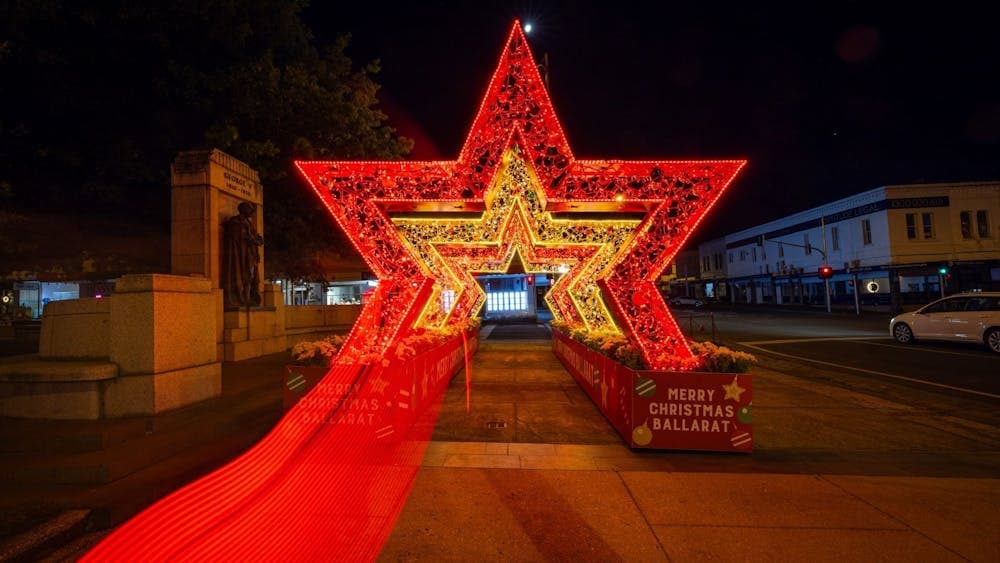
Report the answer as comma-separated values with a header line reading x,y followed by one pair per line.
x,y
983,223
730,257
866,231
965,218
781,251
805,243
835,238
705,264
927,220
911,226
754,250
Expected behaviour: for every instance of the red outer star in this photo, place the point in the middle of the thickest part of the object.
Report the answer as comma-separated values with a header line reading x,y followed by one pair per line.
x,y
674,195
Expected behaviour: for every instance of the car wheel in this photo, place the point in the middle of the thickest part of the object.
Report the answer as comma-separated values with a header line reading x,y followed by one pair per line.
x,y
902,333
992,339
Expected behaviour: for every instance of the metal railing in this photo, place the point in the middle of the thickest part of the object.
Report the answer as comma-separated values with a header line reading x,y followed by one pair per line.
x,y
697,323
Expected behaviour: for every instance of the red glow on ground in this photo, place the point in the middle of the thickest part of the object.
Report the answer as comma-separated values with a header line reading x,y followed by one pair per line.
x,y
327,483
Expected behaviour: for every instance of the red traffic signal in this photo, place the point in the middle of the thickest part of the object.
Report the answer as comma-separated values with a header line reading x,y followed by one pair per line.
x,y
825,272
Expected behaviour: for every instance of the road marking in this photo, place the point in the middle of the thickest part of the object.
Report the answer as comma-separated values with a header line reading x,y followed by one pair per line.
x,y
863,340
827,339
872,372
920,349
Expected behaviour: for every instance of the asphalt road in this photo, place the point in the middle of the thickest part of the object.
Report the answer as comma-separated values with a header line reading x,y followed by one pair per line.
x,y
855,347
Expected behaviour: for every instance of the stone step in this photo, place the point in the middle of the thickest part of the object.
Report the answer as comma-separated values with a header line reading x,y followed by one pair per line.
x,y
53,389
54,532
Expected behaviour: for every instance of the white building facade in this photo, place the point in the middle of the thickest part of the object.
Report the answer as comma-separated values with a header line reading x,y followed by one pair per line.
x,y
888,248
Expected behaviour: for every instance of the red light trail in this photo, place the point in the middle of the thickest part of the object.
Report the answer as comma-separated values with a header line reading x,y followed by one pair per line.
x,y
322,485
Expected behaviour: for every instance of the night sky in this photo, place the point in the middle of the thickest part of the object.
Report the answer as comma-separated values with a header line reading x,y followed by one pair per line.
x,y
824,102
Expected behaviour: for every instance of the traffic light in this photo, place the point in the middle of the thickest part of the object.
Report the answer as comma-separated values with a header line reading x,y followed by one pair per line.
x,y
825,272
943,270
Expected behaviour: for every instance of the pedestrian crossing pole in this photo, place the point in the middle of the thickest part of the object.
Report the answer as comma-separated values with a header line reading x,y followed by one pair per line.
x,y
826,281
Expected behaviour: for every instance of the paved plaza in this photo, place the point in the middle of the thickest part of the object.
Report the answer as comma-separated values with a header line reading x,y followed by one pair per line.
x,y
533,472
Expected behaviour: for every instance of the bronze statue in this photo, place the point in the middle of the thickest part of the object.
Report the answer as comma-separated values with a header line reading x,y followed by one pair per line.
x,y
241,258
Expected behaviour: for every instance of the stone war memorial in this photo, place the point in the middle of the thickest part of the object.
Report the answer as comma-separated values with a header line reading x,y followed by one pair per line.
x,y
217,223
158,341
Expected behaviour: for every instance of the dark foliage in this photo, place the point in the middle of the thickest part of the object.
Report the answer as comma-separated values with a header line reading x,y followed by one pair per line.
x,y
97,98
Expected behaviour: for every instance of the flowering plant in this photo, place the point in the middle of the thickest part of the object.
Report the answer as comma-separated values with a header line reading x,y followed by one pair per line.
x,y
707,356
721,359
424,339
317,353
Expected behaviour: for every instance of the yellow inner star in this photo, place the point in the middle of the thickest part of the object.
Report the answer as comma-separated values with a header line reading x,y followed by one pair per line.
x,y
515,222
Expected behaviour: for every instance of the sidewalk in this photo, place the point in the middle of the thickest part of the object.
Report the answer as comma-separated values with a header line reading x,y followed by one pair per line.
x,y
812,491
534,472
533,502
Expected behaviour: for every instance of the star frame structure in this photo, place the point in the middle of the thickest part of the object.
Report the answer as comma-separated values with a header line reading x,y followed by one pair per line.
x,y
660,202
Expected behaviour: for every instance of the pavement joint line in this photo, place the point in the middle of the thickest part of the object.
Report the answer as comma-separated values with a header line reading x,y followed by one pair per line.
x,y
649,525
892,516
909,348
872,372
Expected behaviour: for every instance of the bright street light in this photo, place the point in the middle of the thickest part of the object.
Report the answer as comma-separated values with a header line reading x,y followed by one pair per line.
x,y
527,28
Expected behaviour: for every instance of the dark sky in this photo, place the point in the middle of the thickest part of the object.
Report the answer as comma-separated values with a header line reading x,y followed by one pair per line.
x,y
824,101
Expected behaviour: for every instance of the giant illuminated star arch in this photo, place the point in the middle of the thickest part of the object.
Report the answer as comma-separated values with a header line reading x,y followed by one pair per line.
x,y
615,225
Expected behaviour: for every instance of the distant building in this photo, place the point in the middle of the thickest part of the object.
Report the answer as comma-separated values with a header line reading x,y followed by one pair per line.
x,y
681,278
889,247
714,274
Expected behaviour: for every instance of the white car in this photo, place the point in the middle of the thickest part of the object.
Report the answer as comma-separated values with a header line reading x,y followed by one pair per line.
x,y
967,317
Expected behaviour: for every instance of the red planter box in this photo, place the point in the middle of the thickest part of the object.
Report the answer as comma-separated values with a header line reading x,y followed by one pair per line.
x,y
412,383
662,409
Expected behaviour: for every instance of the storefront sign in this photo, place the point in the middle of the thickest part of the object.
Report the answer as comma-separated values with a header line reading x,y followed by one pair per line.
x,y
918,202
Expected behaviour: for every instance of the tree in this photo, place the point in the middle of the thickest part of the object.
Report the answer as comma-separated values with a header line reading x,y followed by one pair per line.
x,y
98,99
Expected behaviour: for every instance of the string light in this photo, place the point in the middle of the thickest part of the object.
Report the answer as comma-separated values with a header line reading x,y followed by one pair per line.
x,y
516,168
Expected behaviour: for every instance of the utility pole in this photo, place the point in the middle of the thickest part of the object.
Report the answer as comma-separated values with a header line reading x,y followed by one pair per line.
x,y
857,297
826,281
